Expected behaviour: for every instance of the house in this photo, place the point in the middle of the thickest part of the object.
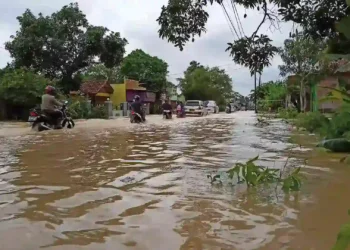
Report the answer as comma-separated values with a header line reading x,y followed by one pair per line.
x,y
126,91
97,91
317,91
171,92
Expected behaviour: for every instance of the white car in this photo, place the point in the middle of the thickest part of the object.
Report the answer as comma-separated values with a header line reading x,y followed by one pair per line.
x,y
211,107
195,107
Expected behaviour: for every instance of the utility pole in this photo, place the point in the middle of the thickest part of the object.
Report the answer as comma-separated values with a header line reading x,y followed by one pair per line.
x,y
256,111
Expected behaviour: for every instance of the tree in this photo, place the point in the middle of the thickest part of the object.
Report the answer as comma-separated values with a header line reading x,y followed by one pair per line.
x,y
60,45
183,20
271,94
22,87
204,83
101,72
301,57
145,68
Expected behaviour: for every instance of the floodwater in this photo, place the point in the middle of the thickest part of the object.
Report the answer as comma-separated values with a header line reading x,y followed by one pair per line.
x,y
146,187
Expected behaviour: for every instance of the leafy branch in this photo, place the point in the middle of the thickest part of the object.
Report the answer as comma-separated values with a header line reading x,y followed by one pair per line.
x,y
254,175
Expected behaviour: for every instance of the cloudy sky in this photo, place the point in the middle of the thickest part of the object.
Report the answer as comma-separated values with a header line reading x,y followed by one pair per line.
x,y
136,21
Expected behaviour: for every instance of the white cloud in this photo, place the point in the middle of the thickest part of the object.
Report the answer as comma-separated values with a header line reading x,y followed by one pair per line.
x,y
136,21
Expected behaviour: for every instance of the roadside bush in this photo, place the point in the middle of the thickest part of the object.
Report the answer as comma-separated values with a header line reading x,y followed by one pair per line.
x,y
78,110
339,126
98,112
312,122
287,113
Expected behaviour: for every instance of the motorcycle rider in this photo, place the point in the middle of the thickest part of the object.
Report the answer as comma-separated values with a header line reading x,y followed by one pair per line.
x,y
136,106
228,107
49,106
167,106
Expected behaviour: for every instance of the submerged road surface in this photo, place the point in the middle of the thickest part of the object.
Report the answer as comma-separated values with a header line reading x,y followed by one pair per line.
x,y
115,185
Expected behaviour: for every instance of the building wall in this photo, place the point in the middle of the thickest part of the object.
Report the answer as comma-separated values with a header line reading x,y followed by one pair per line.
x,y
321,92
119,94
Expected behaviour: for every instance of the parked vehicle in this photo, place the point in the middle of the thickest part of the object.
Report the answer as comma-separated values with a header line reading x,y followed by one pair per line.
x,y
195,107
43,122
167,114
211,106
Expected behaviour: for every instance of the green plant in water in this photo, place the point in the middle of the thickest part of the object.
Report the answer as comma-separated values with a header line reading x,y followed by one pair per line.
x,y
254,175
343,238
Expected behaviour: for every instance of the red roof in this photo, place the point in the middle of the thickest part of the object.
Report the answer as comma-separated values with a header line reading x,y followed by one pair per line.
x,y
94,87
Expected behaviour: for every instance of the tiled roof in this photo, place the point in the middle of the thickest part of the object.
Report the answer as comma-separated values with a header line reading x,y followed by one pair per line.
x,y
134,85
94,87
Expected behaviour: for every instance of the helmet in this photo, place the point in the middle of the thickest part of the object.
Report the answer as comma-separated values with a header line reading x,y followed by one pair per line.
x,y
137,98
50,90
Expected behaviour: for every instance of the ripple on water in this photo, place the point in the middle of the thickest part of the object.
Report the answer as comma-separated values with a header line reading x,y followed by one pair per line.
x,y
147,188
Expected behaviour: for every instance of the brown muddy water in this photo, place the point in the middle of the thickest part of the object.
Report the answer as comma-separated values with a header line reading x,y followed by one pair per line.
x,y
146,187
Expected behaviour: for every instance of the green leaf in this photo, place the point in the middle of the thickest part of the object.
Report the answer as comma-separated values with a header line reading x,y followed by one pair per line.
x,y
253,160
344,26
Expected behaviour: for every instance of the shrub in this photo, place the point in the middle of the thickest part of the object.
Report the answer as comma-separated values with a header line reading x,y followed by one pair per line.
x,y
98,112
312,122
287,113
78,110
339,126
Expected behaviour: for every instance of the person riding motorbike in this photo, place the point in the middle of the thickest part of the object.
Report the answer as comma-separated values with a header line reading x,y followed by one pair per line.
x,y
50,105
228,107
136,106
167,106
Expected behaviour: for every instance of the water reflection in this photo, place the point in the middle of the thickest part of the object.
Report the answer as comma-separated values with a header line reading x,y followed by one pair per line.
x,y
147,188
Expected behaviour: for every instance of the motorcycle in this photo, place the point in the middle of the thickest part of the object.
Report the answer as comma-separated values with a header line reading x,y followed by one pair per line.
x,y
180,113
167,114
43,122
228,110
136,117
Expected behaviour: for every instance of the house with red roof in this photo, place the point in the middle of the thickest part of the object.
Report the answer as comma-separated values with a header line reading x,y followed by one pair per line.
x,y
97,91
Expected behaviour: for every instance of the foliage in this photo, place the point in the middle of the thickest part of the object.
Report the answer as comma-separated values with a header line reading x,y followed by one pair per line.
x,y
343,237
204,83
182,21
22,87
312,121
145,68
60,45
287,113
271,95
339,125
101,72
254,175
79,109
300,55
98,112
254,53
340,93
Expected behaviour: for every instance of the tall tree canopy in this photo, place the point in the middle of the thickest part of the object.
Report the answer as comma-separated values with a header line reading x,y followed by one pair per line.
x,y
22,87
145,68
204,83
183,20
60,45
101,72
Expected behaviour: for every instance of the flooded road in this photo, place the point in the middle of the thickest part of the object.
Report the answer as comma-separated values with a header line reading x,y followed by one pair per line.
x,y
146,187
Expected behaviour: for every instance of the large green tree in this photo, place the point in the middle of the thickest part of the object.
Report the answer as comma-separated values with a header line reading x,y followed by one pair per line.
x,y
204,83
145,68
182,21
22,87
101,72
62,44
302,57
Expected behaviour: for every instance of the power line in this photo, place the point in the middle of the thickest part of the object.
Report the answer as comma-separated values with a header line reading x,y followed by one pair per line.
x,y
238,19
230,21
